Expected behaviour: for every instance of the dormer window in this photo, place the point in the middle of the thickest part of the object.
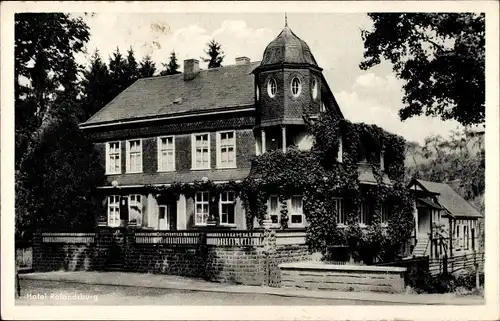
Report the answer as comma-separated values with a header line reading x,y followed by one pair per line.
x,y
296,87
272,87
314,90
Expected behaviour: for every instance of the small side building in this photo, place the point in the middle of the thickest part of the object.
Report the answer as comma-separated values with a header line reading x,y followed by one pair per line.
x,y
444,221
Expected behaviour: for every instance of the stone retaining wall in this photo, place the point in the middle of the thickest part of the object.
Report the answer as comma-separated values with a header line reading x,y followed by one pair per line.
x,y
320,276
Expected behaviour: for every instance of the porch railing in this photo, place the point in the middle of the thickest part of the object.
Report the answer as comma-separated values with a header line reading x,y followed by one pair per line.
x,y
169,237
71,238
235,238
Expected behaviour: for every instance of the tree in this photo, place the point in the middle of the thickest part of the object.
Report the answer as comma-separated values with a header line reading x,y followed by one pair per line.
x,y
439,56
117,72
147,67
215,54
44,50
96,85
172,67
56,181
131,68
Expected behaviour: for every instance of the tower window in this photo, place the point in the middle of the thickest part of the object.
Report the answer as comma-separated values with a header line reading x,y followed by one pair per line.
x,y
314,91
296,87
272,87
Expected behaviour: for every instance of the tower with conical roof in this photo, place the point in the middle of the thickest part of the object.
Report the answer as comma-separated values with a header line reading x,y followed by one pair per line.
x,y
288,84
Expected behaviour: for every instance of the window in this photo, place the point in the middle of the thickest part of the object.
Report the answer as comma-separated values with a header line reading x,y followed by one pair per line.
x,y
201,208
296,87
466,237
272,87
366,210
273,210
314,91
322,108
134,156
340,152
385,213
135,209
201,151
226,150
113,152
226,207
114,210
257,93
338,205
166,153
296,214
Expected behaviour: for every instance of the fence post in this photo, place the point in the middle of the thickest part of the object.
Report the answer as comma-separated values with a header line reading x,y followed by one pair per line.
x,y
476,269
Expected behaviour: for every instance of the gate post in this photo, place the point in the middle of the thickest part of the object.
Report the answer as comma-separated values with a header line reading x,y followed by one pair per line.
x,y
269,250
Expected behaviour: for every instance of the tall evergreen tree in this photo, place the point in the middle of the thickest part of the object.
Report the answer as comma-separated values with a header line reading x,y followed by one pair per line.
x,y
147,67
215,54
172,67
131,68
117,72
96,85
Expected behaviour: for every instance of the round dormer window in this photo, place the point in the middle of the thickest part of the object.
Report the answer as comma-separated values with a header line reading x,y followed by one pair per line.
x,y
296,87
272,87
314,91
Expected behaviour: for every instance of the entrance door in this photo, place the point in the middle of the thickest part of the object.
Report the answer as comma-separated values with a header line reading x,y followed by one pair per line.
x,y
424,222
167,217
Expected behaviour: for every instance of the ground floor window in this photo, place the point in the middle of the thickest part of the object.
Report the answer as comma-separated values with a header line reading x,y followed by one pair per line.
x,y
201,208
296,213
135,209
226,207
114,210
273,210
338,206
365,213
385,213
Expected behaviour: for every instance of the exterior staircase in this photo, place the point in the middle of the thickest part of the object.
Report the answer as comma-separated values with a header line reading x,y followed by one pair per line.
x,y
421,248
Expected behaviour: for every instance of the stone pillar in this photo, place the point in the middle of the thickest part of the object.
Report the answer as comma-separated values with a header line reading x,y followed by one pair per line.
x,y
263,138
152,212
37,252
181,212
283,138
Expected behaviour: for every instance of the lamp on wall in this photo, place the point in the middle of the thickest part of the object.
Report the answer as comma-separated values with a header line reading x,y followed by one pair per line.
x,y
114,183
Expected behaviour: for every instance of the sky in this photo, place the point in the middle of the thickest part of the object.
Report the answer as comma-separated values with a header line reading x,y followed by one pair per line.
x,y
372,96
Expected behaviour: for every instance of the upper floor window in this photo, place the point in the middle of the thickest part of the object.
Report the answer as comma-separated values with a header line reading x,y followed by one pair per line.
x,y
296,87
134,156
113,210
340,151
314,90
338,205
296,213
226,150
272,87
273,210
113,162
322,107
200,151
166,153
201,208
135,209
226,207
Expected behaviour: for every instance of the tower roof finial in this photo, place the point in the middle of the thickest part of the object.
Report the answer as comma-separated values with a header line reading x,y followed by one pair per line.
x,y
286,21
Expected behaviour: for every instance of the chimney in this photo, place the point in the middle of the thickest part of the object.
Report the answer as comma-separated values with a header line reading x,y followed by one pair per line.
x,y
242,60
191,68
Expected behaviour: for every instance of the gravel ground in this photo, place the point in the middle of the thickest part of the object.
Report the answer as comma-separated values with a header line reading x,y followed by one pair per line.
x,y
37,292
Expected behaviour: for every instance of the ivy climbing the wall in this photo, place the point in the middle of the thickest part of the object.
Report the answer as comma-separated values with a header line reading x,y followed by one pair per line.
x,y
321,178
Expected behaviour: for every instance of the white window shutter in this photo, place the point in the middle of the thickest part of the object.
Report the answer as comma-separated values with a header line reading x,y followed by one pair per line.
x,y
140,157
218,148
127,156
107,158
193,151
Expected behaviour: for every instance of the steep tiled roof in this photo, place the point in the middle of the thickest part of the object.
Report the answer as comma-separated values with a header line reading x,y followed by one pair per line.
x,y
450,199
212,89
181,177
288,48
